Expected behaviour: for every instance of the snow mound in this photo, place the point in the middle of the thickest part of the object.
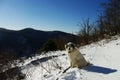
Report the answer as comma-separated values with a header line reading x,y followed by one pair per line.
x,y
104,55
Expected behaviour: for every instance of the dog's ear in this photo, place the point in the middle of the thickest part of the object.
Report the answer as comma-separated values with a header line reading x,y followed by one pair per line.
x,y
73,45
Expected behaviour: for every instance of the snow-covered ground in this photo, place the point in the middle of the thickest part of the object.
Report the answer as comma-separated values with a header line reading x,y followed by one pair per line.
x,y
104,55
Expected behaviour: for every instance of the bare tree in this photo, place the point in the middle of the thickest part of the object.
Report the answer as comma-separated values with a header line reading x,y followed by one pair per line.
x,y
85,31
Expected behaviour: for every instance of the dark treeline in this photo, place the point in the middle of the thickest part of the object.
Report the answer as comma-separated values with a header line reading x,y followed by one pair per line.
x,y
107,23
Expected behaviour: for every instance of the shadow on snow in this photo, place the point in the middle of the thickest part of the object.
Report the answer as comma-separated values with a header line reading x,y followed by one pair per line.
x,y
44,59
99,69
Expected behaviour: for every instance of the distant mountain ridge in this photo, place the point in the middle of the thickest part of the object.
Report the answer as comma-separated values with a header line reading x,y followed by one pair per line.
x,y
28,40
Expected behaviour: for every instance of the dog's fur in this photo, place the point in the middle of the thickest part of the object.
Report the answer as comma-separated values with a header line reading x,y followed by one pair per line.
x,y
75,57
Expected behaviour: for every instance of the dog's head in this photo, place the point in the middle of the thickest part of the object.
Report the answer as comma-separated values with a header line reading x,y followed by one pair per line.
x,y
69,47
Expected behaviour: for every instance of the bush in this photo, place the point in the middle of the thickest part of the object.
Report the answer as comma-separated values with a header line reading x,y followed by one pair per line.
x,y
49,46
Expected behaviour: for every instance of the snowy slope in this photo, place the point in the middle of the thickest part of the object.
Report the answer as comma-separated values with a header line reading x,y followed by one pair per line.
x,y
104,55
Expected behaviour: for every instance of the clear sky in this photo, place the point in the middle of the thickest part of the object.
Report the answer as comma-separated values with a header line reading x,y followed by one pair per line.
x,y
48,15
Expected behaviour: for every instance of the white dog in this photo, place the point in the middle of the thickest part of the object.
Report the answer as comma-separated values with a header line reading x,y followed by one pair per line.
x,y
75,57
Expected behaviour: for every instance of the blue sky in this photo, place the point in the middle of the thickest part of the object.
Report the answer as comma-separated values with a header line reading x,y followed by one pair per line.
x,y
48,15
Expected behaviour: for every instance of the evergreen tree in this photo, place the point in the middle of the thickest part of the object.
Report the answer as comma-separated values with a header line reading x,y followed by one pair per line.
x,y
111,17
49,46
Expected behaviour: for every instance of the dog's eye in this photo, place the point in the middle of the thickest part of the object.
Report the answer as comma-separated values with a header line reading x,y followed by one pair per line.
x,y
72,46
